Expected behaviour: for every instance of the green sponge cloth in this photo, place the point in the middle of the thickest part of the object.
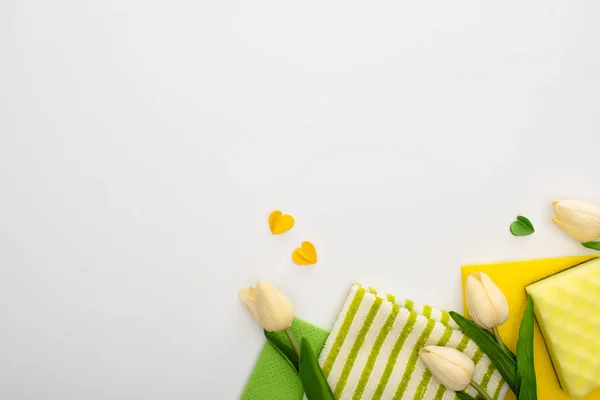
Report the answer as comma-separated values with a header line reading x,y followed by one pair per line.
x,y
273,378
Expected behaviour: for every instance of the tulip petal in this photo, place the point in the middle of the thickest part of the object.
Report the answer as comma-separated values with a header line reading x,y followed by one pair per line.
x,y
583,215
575,232
449,366
497,298
479,305
275,312
573,209
248,297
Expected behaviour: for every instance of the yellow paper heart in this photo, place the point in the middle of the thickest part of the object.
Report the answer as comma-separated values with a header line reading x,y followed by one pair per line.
x,y
280,223
305,254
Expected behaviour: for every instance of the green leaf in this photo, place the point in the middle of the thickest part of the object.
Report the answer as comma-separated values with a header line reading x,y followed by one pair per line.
x,y
464,396
592,245
508,352
521,227
502,345
311,375
506,366
526,381
284,348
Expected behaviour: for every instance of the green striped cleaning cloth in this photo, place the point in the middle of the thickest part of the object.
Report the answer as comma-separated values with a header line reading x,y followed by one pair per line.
x,y
373,350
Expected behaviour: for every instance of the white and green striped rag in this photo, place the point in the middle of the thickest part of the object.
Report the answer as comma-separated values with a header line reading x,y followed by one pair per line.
x,y
373,350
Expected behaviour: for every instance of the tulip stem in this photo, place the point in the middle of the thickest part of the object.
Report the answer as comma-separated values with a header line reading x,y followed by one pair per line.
x,y
480,390
293,341
503,346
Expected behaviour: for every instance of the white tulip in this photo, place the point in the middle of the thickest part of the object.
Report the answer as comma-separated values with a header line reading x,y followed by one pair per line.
x,y
579,219
486,303
449,366
273,311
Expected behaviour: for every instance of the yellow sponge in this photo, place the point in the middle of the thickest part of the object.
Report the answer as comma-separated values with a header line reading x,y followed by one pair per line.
x,y
512,278
562,309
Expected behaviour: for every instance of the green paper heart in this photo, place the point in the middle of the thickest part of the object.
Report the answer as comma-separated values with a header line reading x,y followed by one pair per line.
x,y
592,245
521,227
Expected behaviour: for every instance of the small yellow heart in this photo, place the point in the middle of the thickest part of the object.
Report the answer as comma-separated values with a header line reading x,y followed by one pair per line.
x,y
280,223
305,254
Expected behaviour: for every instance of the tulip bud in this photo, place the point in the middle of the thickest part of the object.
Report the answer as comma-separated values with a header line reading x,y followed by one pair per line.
x,y
579,219
273,311
486,303
449,366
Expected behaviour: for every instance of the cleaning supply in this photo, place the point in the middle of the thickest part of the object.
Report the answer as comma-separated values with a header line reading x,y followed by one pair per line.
x,y
567,309
272,378
373,350
512,278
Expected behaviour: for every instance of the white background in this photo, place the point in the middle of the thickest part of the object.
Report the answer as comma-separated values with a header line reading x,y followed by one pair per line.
x,y
143,144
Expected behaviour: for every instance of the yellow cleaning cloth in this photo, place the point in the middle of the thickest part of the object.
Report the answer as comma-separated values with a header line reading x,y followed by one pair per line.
x,y
512,278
